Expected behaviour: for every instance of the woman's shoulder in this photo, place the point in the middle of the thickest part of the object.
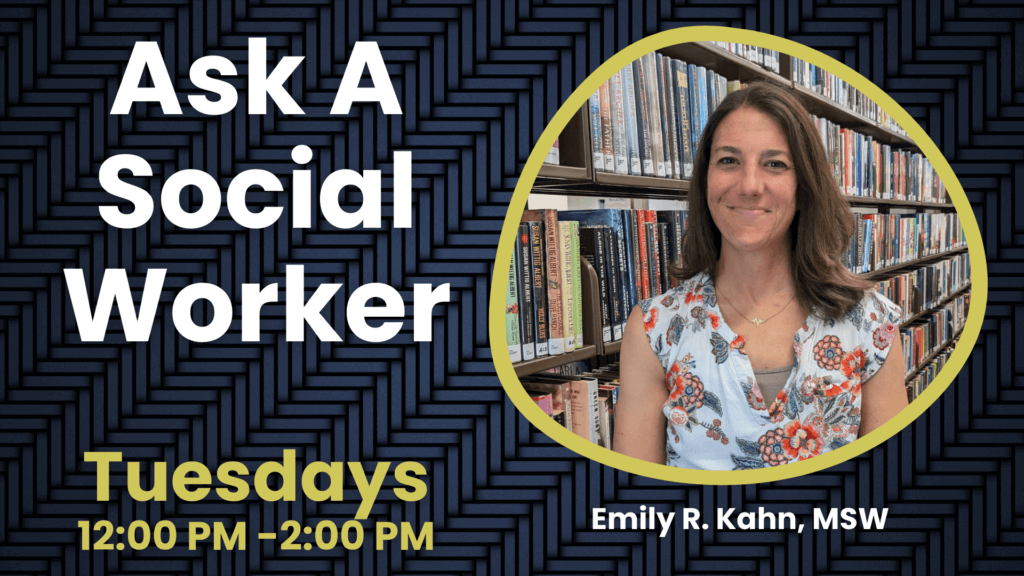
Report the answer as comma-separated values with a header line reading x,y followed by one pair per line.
x,y
693,290
875,317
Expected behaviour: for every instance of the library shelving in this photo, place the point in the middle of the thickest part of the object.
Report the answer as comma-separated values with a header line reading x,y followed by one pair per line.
x,y
576,176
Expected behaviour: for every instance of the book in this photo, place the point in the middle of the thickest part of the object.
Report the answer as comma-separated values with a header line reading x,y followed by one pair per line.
x,y
608,143
552,157
515,349
619,143
578,285
596,134
632,139
526,304
643,119
593,249
569,280
683,108
540,292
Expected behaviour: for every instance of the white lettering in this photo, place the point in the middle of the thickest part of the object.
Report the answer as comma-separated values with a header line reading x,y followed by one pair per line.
x,y
140,199
261,85
92,327
299,312
366,55
146,55
357,312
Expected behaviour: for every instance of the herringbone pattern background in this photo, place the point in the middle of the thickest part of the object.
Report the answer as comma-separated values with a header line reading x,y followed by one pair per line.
x,y
477,83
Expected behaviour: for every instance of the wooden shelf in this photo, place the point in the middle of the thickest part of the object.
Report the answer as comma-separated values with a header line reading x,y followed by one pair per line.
x,y
613,347
938,306
572,173
883,271
670,185
819,105
541,364
930,357
908,203
724,62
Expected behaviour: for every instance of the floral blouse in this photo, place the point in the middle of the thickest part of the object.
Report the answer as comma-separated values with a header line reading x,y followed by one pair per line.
x,y
717,419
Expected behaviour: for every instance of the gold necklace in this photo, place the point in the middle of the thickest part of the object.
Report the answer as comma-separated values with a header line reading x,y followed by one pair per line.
x,y
756,321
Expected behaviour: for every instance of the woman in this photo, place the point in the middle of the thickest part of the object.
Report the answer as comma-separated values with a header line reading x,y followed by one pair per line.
x,y
769,351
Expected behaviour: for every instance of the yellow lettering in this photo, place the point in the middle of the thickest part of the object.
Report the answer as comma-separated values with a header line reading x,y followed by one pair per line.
x,y
405,474
335,490
102,460
241,486
391,529
181,482
221,535
426,536
287,472
197,532
368,491
159,490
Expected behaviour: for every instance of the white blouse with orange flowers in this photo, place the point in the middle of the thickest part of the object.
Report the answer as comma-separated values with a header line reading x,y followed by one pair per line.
x,y
717,419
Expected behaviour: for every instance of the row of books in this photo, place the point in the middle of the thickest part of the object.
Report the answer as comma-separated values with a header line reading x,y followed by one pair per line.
x,y
883,240
933,331
832,87
630,251
544,298
920,381
763,57
925,287
865,167
584,404
647,118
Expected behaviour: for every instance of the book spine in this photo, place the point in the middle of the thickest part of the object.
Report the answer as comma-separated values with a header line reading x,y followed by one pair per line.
x,y
666,128
637,263
702,79
526,302
591,241
694,95
568,284
653,257
654,112
556,343
515,349
664,259
672,163
645,265
619,143
643,120
607,145
596,134
671,103
540,292
682,89
578,286
614,284
553,156
632,139
601,263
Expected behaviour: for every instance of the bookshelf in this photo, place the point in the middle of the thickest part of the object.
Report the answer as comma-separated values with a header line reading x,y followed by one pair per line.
x,y
933,355
577,176
938,306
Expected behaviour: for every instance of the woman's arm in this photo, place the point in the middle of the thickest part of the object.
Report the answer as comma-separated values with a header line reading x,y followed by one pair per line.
x,y
885,393
639,421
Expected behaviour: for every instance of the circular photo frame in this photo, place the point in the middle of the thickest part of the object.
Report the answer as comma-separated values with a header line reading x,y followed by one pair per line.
x,y
510,230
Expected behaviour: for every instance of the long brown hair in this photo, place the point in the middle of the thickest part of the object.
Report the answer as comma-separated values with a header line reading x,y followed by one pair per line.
x,y
822,227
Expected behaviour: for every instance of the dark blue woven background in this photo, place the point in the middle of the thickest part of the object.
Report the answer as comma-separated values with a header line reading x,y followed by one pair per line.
x,y
477,83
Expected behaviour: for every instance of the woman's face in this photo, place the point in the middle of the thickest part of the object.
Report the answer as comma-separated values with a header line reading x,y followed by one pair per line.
x,y
751,182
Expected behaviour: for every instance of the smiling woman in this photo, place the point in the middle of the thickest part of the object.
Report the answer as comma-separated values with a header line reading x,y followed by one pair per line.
x,y
801,359
697,264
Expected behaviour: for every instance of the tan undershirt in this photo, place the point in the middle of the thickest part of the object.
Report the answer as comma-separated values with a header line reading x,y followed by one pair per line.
x,y
771,381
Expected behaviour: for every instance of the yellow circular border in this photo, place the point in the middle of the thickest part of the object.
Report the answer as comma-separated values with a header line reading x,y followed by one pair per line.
x,y
499,347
